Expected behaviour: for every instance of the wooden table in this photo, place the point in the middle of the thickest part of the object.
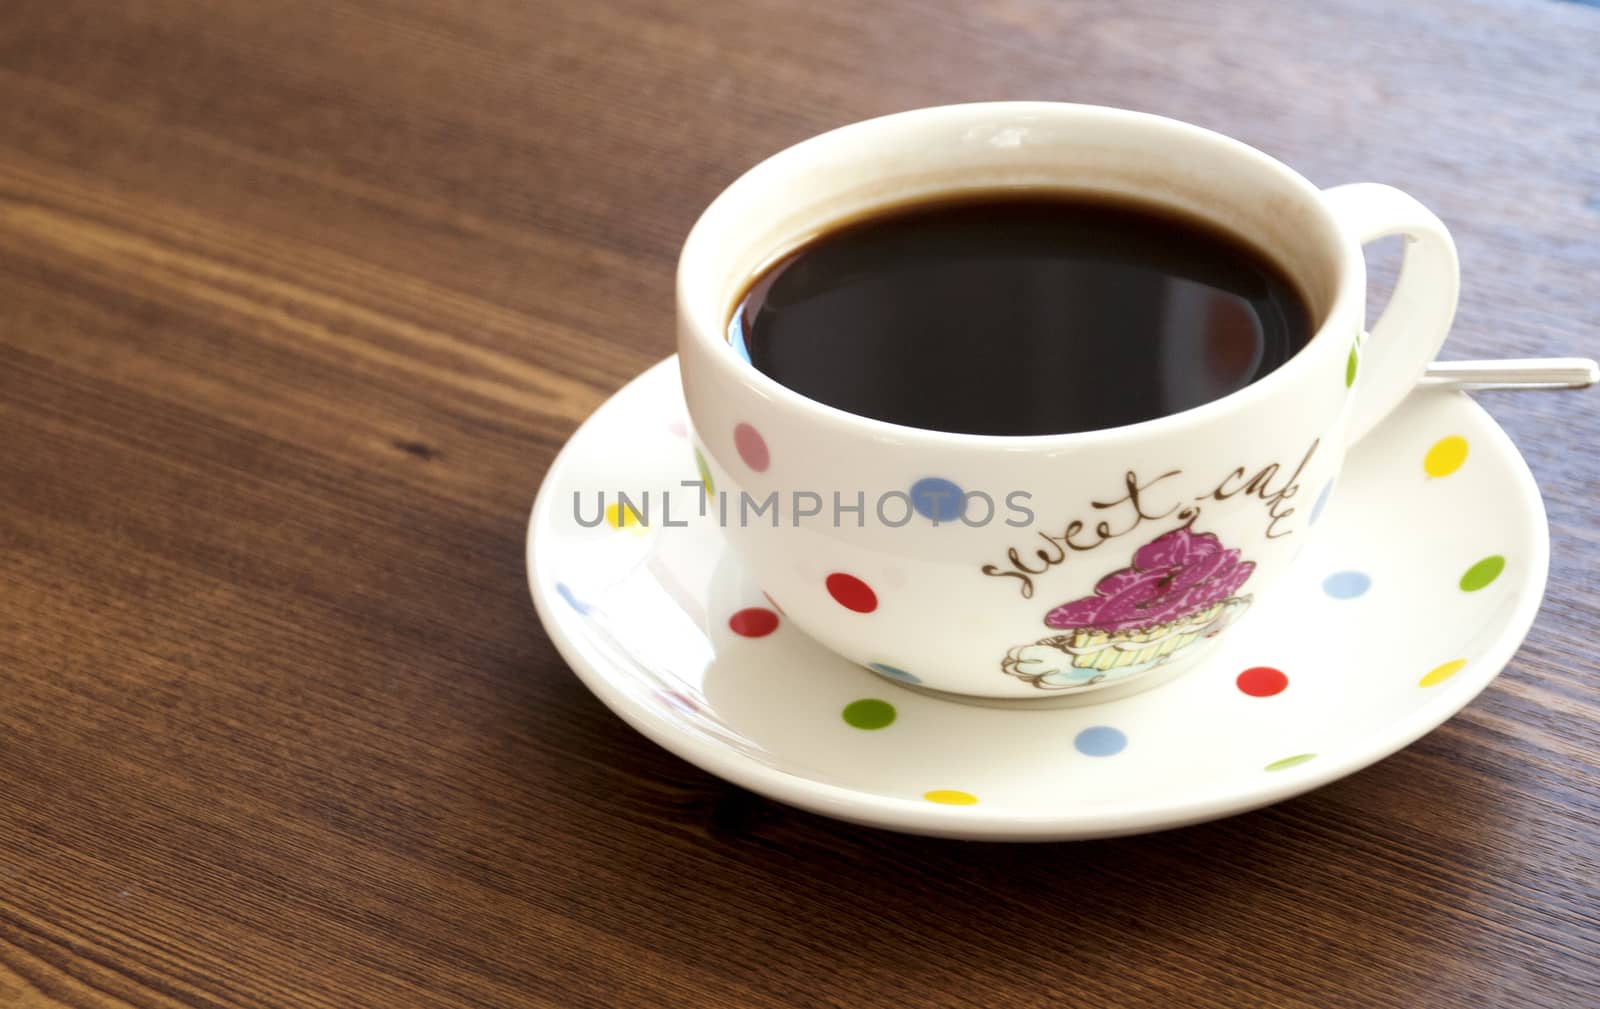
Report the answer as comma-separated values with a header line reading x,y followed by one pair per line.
x,y
298,300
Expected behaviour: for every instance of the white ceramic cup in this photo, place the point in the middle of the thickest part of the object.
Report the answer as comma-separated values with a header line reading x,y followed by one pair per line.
x,y
1084,565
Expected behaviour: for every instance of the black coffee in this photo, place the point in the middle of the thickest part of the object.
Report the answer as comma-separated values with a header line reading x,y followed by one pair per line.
x,y
1036,313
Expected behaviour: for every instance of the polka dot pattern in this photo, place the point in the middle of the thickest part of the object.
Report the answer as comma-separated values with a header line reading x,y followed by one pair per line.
x,y
1446,456
1262,681
1439,674
1435,532
851,592
1322,502
869,713
1288,762
678,701
620,517
705,473
754,622
1347,584
893,672
938,499
1481,574
565,592
752,448
1100,741
1351,365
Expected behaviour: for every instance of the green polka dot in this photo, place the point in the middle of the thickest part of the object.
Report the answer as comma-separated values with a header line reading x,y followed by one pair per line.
x,y
1482,573
1350,366
869,713
1288,762
705,473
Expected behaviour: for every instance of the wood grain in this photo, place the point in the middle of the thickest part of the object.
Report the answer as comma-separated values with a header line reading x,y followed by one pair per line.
x,y
297,302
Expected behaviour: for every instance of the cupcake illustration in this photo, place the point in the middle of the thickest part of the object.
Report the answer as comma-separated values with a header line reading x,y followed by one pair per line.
x,y
1182,586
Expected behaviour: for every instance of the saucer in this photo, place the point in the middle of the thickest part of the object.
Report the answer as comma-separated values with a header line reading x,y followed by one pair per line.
x,y
1424,574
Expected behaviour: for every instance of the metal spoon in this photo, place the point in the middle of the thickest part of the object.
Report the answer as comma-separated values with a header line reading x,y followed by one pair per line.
x,y
1527,373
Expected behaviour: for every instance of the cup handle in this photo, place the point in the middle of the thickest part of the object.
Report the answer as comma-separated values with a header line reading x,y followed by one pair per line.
x,y
1386,363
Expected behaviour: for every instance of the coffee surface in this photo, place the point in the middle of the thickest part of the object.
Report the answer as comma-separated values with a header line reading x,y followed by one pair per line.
x,y
1021,314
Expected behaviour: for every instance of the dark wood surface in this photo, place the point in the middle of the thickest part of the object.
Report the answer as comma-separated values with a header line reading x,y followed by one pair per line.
x,y
299,299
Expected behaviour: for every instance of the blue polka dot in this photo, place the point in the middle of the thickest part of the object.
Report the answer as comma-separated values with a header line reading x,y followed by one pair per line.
x,y
1346,584
572,600
893,673
1100,741
736,337
936,498
1322,502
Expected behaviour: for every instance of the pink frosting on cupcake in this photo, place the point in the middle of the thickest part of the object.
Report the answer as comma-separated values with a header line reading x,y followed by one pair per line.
x,y
1175,575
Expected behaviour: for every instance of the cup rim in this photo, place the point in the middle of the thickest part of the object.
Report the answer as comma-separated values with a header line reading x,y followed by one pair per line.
x,y
709,333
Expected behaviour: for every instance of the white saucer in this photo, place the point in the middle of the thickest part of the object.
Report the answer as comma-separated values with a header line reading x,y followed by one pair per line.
x,y
1381,633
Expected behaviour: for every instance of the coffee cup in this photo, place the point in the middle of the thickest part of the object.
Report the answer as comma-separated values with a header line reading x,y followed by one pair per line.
x,y
1069,567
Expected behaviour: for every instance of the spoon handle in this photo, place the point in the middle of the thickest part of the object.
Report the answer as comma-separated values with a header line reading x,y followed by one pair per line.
x,y
1529,373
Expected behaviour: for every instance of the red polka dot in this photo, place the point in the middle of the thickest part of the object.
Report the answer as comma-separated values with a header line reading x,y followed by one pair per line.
x,y
852,593
755,622
676,700
1262,681
752,447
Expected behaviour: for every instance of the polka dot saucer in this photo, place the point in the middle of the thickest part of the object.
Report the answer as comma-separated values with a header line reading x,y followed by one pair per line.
x,y
1424,575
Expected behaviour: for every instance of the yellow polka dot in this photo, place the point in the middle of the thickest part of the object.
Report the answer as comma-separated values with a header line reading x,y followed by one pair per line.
x,y
1446,456
950,797
1442,673
710,488
618,517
